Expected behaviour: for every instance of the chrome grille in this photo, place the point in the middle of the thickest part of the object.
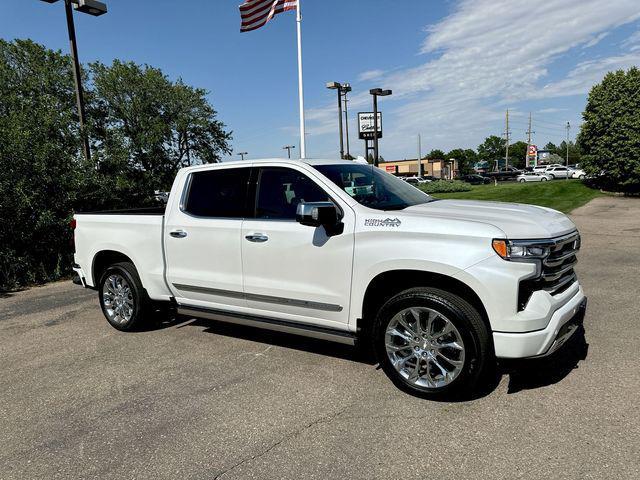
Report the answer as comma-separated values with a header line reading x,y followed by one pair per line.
x,y
557,269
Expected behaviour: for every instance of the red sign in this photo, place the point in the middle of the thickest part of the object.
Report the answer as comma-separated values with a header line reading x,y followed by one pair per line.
x,y
390,168
533,150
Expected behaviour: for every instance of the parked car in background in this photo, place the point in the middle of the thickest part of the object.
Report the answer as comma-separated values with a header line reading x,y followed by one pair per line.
x,y
533,177
540,168
505,173
558,172
578,173
415,180
475,179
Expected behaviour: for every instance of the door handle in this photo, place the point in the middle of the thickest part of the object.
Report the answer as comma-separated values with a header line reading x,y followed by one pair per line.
x,y
257,237
178,233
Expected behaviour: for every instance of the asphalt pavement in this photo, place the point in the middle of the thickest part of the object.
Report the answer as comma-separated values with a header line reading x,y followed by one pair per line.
x,y
197,399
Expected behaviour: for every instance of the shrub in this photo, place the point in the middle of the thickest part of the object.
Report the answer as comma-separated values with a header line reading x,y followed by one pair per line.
x,y
443,186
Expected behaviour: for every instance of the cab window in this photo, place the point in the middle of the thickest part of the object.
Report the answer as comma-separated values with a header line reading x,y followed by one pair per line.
x,y
280,190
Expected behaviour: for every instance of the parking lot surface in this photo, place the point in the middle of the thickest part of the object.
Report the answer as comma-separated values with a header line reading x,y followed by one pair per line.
x,y
198,399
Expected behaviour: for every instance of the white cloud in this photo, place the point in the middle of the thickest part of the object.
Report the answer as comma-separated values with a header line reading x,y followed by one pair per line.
x,y
488,55
370,75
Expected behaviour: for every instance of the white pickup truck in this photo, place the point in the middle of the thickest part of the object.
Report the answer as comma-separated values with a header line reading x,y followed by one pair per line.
x,y
345,252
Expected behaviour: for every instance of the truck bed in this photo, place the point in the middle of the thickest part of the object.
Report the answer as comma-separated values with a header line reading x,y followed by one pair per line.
x,y
136,233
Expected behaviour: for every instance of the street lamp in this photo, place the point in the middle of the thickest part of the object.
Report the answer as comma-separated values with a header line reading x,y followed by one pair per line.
x,y
376,92
288,149
342,89
242,154
91,7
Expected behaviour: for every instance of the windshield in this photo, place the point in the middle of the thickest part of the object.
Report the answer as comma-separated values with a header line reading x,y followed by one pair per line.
x,y
372,187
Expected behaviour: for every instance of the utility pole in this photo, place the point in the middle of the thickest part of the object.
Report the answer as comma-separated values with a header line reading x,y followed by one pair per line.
x,y
528,132
567,160
288,149
242,154
419,156
506,157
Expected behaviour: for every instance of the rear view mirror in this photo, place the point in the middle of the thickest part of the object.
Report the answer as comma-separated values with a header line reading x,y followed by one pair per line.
x,y
315,214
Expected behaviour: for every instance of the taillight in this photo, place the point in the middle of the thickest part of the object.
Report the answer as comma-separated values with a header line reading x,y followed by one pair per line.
x,y
72,241
72,224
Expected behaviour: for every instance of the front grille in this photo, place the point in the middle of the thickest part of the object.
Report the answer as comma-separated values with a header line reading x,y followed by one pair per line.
x,y
557,272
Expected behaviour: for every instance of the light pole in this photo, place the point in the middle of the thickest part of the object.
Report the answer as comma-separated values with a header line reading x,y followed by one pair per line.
x,y
342,89
346,118
376,92
288,149
91,7
242,154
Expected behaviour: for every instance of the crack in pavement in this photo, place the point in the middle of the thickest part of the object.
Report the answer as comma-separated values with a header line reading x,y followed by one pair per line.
x,y
326,419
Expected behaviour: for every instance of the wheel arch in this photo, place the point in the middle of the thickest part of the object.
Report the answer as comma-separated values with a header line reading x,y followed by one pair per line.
x,y
103,259
387,284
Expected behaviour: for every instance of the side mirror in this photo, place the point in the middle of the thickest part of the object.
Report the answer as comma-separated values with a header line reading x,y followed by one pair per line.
x,y
315,214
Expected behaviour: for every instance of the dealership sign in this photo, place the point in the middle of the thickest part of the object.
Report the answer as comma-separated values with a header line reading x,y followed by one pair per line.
x,y
366,125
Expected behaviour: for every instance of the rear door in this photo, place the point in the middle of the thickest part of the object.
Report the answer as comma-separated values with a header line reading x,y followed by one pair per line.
x,y
202,238
292,271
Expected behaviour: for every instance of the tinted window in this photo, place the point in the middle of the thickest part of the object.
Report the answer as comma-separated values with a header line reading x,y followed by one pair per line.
x,y
218,193
372,187
280,190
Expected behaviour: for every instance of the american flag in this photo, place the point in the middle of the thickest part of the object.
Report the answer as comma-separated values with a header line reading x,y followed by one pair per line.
x,y
255,13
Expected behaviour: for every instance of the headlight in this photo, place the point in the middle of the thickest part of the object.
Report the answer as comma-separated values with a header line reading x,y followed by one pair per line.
x,y
519,250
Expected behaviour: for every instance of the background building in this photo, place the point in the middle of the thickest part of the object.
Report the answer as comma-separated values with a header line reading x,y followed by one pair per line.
x,y
439,168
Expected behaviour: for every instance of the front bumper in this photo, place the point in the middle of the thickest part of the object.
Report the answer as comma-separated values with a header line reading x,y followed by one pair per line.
x,y
563,324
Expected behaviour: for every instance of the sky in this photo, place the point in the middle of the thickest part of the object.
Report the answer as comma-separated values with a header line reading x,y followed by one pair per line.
x,y
455,67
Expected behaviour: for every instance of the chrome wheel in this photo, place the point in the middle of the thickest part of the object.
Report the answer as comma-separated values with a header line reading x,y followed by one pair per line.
x,y
117,299
424,347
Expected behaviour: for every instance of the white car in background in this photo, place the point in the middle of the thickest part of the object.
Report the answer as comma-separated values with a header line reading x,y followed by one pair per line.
x,y
415,180
558,172
533,177
578,173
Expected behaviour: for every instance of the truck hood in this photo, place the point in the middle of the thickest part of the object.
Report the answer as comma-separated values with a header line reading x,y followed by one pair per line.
x,y
517,221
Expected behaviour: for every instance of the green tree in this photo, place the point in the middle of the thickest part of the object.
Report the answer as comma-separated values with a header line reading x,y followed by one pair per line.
x,y
492,150
550,147
39,162
610,134
575,154
149,127
466,159
517,152
435,154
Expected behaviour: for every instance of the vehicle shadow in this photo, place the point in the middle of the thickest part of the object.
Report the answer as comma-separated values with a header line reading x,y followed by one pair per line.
x,y
281,339
523,374
533,373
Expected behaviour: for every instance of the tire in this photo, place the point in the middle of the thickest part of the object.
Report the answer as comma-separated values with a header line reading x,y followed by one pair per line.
x,y
522,180
123,300
581,177
543,179
553,177
424,368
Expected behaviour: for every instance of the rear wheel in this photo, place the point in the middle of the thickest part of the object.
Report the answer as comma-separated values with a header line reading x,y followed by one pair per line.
x,y
580,177
522,180
123,300
543,179
552,176
432,343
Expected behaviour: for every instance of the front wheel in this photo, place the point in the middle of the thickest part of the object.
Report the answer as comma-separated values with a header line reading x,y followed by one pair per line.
x,y
580,177
123,300
552,176
543,179
432,343
522,180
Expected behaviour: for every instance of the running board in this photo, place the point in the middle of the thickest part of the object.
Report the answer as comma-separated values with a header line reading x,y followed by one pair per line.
x,y
306,330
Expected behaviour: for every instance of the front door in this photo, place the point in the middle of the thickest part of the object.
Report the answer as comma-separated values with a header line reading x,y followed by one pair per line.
x,y
293,271
202,239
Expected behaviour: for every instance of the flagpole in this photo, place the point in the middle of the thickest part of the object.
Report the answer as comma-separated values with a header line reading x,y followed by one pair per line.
x,y
303,150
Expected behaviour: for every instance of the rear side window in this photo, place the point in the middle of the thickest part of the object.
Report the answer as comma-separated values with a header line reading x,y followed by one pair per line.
x,y
218,193
280,190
